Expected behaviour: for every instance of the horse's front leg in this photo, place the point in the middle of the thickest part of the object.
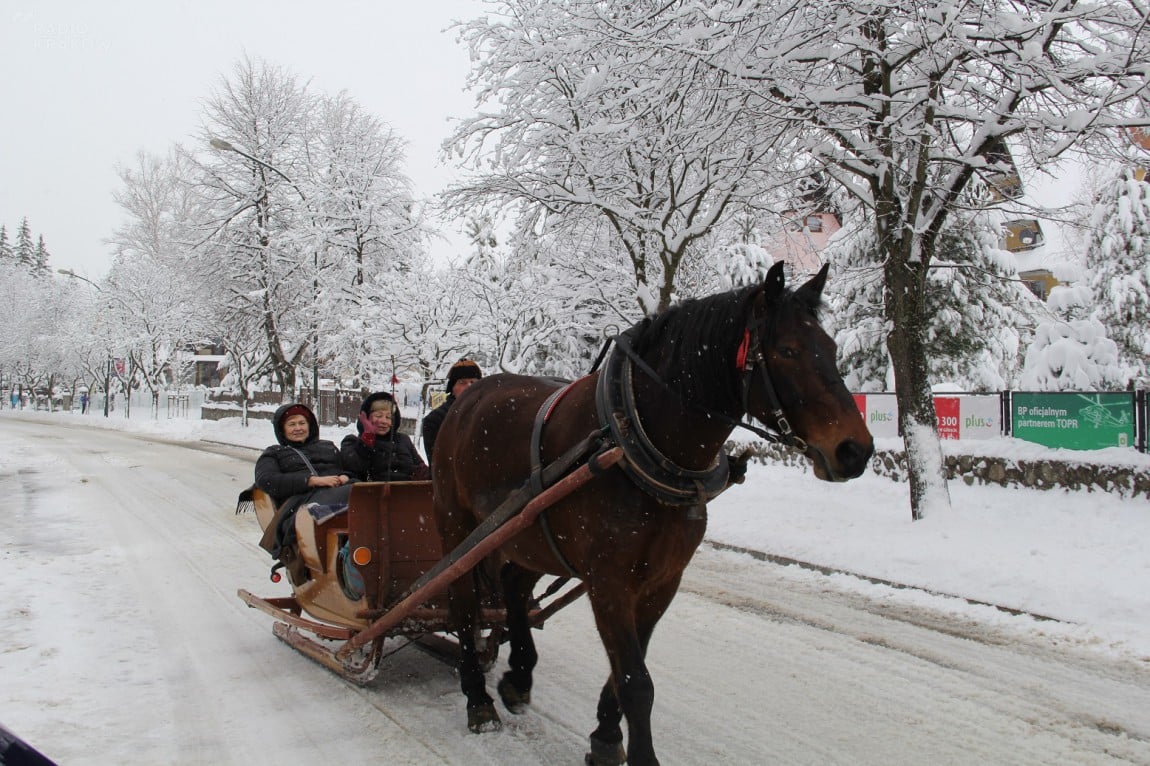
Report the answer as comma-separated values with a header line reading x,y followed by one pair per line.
x,y
634,692
463,602
607,739
515,686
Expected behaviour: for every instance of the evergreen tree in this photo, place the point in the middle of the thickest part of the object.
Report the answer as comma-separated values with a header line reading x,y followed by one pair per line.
x,y
1070,351
25,251
40,258
1119,260
6,252
855,296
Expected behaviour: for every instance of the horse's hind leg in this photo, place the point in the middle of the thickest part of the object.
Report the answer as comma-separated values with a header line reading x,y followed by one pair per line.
x,y
464,607
515,686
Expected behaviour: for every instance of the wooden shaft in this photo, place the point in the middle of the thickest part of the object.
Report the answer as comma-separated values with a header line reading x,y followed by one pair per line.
x,y
468,560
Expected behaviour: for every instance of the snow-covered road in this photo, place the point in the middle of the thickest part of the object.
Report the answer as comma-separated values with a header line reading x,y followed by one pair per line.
x,y
122,642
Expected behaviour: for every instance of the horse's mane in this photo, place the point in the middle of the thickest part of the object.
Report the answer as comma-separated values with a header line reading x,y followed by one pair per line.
x,y
692,345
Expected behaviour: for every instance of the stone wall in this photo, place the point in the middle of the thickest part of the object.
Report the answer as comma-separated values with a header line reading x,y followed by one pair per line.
x,y
221,411
1128,481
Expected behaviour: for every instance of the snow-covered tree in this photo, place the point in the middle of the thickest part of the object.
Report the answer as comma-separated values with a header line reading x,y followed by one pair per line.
x,y
25,249
258,240
854,293
311,220
6,252
40,329
371,242
1118,256
1070,350
979,312
589,126
159,305
906,106
40,258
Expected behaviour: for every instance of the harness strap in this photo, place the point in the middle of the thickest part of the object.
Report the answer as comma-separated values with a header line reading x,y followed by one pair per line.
x,y
541,419
626,347
536,477
511,505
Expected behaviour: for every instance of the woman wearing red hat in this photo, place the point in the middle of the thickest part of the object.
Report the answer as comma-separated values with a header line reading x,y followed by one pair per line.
x,y
302,468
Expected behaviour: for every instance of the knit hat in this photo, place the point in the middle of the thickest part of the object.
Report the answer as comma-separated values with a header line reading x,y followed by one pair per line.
x,y
462,370
295,409
288,410
382,403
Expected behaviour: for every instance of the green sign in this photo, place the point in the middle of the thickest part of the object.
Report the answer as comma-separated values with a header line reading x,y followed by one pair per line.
x,y
1074,420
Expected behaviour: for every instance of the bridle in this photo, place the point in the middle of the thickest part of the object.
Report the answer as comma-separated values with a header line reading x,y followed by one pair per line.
x,y
752,363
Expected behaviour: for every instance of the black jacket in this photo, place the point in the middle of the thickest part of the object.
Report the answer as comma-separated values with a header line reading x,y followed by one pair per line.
x,y
282,472
432,422
392,457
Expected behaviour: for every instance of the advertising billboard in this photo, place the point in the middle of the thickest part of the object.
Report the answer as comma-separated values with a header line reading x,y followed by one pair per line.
x,y
1074,420
960,416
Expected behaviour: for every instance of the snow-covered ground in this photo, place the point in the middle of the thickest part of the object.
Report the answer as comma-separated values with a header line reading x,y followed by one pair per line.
x,y
1080,558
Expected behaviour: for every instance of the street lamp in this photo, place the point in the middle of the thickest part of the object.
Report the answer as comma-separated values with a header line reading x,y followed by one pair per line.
x,y
227,146
74,275
108,366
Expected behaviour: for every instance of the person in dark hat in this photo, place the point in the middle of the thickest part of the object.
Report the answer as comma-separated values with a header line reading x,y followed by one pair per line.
x,y
380,452
461,375
301,468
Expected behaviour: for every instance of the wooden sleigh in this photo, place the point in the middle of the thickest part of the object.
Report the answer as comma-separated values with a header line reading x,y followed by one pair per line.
x,y
390,536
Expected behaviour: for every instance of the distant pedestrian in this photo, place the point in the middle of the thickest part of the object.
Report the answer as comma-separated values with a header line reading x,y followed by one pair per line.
x,y
83,402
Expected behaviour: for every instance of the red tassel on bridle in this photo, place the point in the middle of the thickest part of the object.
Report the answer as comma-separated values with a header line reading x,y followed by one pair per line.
x,y
744,347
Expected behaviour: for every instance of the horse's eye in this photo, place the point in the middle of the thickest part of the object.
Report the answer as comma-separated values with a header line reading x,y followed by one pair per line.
x,y
788,352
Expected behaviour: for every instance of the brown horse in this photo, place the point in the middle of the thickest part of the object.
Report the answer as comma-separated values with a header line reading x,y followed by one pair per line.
x,y
670,394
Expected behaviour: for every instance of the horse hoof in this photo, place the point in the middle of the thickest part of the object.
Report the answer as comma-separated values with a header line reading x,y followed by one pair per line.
x,y
483,719
605,754
514,700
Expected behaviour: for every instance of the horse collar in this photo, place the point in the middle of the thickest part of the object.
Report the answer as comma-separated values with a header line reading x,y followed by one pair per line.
x,y
645,465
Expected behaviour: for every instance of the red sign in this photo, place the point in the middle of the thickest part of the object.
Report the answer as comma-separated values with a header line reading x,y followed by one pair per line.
x,y
119,363
946,410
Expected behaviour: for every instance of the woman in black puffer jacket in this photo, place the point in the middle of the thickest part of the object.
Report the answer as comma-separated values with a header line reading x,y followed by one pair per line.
x,y
381,452
302,468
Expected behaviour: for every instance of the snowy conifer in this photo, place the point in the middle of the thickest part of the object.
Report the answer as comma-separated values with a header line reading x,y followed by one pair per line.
x,y
1119,259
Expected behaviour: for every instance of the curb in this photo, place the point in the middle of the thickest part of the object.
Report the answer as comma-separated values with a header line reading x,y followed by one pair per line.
x,y
785,561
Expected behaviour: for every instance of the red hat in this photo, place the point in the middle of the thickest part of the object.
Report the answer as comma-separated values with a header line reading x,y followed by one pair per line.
x,y
295,409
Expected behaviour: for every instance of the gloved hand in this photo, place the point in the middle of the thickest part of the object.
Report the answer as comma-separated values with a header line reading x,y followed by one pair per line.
x,y
368,435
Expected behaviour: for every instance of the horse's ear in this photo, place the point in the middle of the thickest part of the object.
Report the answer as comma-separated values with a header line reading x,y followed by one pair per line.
x,y
811,292
774,283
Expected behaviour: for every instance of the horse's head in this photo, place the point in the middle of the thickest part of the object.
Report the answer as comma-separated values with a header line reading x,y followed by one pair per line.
x,y
795,386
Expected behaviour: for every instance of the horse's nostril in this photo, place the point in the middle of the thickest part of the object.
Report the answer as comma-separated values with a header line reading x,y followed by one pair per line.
x,y
853,457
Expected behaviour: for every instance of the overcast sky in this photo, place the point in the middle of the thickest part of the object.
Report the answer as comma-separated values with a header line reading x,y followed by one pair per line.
x,y
87,85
